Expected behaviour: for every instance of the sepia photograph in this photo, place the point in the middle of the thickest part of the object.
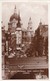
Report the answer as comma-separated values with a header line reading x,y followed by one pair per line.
x,y
24,40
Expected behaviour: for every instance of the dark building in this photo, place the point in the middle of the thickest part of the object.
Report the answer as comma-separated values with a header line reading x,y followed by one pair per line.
x,y
3,39
42,31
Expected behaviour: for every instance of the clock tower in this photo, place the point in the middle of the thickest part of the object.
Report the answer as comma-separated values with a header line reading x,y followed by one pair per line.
x,y
18,33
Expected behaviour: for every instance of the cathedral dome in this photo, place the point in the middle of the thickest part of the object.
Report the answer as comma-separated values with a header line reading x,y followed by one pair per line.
x,y
14,16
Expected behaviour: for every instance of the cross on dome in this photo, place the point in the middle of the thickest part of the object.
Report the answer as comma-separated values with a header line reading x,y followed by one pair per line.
x,y
15,9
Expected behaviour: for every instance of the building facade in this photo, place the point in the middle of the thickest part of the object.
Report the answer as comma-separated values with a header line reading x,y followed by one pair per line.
x,y
3,39
42,31
19,38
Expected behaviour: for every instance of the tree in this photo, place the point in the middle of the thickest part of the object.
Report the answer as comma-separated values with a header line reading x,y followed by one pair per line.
x,y
31,50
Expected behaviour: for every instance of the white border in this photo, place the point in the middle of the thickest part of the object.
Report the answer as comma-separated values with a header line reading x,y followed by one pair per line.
x,y
0,41
42,1
46,1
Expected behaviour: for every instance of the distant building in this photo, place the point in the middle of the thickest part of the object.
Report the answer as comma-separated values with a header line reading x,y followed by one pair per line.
x,y
19,37
43,30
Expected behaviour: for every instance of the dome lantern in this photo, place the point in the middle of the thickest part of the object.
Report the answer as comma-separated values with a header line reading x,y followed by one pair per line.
x,y
15,9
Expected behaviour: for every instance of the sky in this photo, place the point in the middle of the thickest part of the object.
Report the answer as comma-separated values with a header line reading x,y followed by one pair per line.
x,y
37,12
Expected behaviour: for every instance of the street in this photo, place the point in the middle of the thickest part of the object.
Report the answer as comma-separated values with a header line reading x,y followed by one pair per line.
x,y
28,63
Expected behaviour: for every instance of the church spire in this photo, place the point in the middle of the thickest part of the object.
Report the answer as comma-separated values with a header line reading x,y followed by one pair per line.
x,y
15,9
19,15
30,24
19,19
40,22
29,18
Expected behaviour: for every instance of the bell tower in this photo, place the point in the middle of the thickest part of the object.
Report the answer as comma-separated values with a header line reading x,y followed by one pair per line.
x,y
30,24
30,31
